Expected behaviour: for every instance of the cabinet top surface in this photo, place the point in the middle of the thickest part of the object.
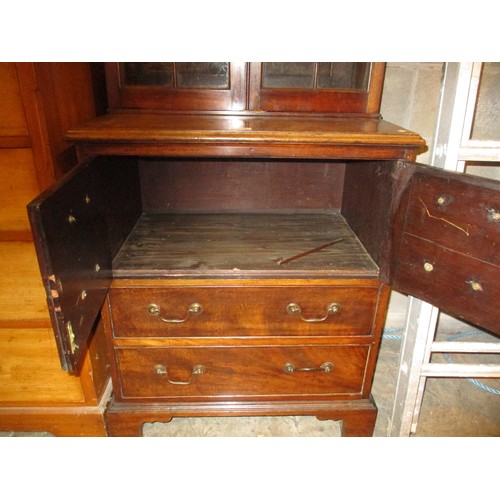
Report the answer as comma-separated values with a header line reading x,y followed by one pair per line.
x,y
158,128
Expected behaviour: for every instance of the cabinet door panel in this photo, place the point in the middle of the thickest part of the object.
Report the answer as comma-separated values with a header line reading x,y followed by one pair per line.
x,y
447,249
71,240
454,215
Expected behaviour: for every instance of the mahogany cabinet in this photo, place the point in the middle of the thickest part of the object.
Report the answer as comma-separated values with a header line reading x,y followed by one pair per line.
x,y
241,262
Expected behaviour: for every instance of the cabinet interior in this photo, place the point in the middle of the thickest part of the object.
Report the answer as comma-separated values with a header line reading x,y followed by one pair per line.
x,y
242,217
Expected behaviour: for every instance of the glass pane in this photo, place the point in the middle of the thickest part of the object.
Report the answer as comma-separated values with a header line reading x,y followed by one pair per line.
x,y
486,125
346,75
491,170
288,75
157,73
323,75
213,75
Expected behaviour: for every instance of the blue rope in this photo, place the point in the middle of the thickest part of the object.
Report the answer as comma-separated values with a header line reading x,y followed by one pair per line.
x,y
388,333
464,334
485,387
474,381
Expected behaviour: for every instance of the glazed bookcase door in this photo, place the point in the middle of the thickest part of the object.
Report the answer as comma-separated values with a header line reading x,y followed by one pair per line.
x,y
73,250
446,244
177,86
316,87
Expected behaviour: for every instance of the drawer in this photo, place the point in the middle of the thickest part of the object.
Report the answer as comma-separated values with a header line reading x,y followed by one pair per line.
x,y
240,310
456,283
242,372
455,215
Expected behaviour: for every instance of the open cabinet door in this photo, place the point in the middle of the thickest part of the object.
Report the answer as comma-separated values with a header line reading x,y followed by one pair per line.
x,y
446,246
72,244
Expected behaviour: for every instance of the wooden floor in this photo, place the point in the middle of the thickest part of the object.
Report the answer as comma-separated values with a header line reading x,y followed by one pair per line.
x,y
253,244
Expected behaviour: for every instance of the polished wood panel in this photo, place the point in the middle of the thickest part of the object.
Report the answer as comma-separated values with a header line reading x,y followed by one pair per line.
x,y
245,136
259,150
371,198
30,372
12,118
242,372
24,301
121,203
14,142
240,186
235,311
86,421
56,96
18,185
40,87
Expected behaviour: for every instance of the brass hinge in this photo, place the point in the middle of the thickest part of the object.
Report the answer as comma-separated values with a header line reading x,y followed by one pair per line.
x,y
71,336
55,287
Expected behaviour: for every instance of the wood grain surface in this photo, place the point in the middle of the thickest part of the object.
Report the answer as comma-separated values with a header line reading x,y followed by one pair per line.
x,y
241,244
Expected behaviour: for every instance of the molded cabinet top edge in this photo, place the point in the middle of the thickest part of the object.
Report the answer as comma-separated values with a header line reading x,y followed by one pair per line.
x,y
157,127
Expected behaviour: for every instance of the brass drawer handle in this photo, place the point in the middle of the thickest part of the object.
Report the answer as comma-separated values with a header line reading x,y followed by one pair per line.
x,y
326,367
155,310
295,309
163,370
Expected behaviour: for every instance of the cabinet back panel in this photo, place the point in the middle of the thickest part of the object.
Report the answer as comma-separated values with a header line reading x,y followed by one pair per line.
x,y
240,186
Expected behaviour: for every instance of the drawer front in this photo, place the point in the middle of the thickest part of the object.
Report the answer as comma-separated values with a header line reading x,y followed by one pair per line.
x,y
241,372
456,215
457,284
241,311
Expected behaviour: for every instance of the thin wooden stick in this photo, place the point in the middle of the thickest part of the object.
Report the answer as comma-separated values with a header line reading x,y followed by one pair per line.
x,y
303,254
